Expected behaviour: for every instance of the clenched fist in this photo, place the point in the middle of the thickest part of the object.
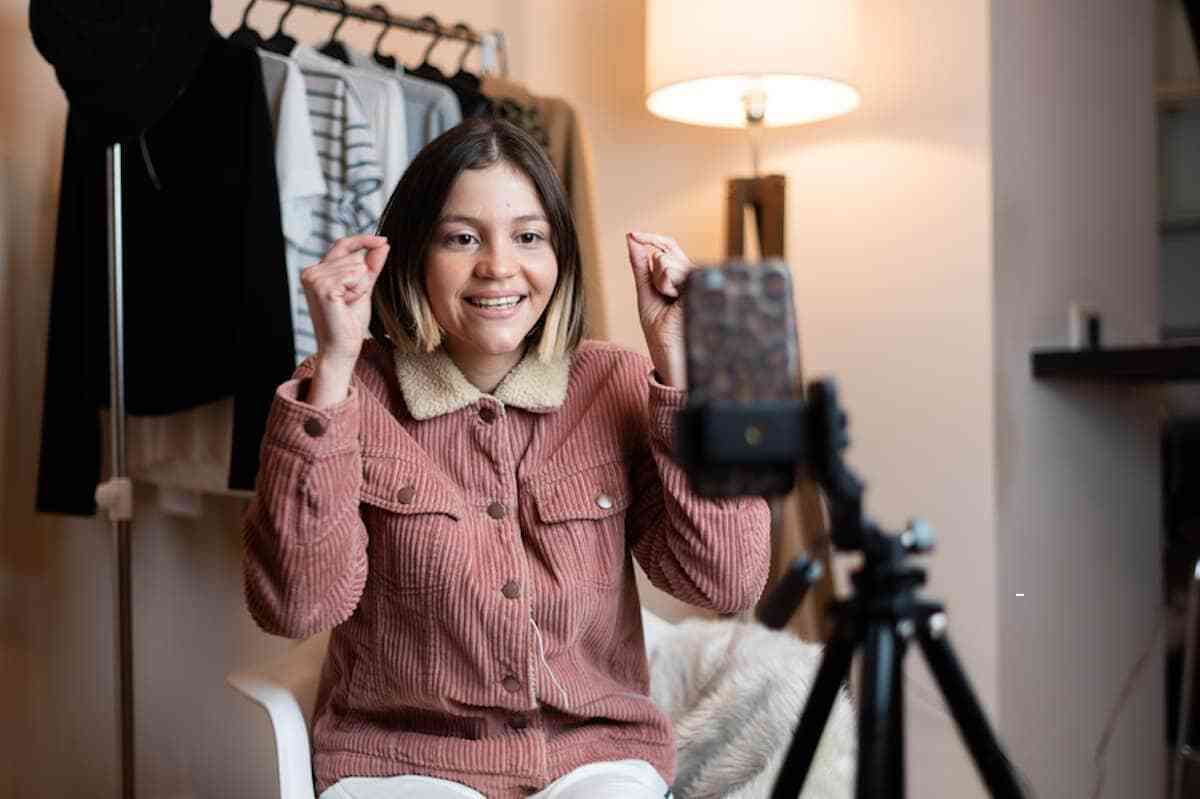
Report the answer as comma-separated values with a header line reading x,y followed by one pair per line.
x,y
660,270
338,290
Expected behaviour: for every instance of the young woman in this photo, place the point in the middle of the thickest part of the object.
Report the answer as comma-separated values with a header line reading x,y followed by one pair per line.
x,y
459,497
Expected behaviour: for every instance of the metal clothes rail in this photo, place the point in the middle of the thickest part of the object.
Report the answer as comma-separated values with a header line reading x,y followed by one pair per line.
x,y
426,24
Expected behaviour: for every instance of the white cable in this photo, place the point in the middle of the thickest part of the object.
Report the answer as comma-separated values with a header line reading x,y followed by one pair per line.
x,y
1114,714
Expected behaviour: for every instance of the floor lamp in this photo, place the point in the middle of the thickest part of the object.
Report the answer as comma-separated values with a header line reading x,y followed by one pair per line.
x,y
751,65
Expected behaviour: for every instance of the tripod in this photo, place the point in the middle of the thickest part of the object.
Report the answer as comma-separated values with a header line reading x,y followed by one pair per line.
x,y
884,613
882,617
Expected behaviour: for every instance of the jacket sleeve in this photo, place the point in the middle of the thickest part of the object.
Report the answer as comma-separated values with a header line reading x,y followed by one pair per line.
x,y
713,553
304,555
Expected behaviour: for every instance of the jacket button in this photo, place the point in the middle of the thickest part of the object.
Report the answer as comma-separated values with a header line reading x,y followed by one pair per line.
x,y
604,501
511,684
314,427
518,722
511,589
405,495
488,414
497,510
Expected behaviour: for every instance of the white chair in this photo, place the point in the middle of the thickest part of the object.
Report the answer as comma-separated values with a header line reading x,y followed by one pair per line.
x,y
287,690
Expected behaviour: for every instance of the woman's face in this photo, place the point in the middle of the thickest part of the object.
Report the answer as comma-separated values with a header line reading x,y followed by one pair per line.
x,y
490,269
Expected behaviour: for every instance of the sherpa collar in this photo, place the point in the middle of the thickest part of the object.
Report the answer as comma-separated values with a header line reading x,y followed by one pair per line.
x,y
432,384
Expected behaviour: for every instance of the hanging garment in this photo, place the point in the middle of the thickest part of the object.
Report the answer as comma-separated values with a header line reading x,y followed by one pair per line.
x,y
430,108
121,65
383,103
471,100
206,301
352,199
301,177
186,454
571,155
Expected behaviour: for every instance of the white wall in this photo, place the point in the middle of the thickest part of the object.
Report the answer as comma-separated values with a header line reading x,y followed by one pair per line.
x,y
1077,473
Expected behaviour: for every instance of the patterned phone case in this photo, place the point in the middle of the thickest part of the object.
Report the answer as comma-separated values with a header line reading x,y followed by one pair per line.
x,y
741,345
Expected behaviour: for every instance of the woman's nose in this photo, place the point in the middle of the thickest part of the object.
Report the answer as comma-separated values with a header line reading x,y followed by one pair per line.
x,y
496,263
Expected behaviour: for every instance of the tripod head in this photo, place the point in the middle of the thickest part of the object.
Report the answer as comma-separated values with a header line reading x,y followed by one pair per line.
x,y
800,438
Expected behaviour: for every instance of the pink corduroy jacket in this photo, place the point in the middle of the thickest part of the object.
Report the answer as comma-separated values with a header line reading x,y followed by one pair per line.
x,y
472,554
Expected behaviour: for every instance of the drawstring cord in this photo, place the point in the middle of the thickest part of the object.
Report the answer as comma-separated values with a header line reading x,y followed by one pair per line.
x,y
147,161
541,656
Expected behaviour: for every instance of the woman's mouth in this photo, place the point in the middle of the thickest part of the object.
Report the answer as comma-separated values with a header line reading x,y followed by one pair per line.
x,y
498,303
496,308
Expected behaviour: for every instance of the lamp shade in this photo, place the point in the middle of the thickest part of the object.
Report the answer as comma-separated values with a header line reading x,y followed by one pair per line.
x,y
790,60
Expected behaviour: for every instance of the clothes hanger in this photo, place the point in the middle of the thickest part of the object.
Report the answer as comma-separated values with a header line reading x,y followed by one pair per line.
x,y
280,42
245,35
334,48
425,69
462,77
388,61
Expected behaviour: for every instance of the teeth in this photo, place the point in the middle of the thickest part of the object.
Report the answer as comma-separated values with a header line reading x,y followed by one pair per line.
x,y
497,302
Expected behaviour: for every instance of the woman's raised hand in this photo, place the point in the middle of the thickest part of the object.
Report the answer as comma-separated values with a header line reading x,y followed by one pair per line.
x,y
338,289
660,270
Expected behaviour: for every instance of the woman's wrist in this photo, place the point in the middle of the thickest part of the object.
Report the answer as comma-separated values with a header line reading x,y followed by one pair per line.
x,y
330,382
670,368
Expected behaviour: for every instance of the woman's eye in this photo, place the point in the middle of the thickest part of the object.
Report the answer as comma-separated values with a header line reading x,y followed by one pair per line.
x,y
460,239
530,238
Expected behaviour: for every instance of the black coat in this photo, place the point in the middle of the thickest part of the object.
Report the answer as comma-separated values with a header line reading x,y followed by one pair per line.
x,y
121,65
206,294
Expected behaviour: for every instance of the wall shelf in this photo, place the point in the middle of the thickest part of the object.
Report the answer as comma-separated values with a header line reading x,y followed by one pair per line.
x,y
1157,364
1180,224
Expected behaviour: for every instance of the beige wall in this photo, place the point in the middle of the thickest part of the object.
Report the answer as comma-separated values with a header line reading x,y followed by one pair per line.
x,y
889,236
904,295
1079,527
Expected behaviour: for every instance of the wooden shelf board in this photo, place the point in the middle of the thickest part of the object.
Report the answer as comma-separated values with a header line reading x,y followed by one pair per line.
x,y
1176,92
1156,364
1179,224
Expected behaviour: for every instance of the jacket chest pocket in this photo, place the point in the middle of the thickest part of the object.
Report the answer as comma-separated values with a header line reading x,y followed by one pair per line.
x,y
581,529
415,542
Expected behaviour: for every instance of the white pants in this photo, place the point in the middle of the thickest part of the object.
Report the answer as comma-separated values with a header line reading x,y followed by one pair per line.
x,y
613,779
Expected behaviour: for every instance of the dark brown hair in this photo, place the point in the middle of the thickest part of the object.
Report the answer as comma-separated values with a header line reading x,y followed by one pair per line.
x,y
401,312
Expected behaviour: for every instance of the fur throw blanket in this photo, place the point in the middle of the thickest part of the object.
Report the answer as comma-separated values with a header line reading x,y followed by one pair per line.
x,y
734,692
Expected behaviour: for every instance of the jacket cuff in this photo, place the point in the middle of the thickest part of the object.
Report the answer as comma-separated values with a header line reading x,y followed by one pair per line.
x,y
309,431
665,402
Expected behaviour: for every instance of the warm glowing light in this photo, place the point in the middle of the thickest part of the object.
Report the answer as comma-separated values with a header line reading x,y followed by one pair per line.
x,y
718,101
710,62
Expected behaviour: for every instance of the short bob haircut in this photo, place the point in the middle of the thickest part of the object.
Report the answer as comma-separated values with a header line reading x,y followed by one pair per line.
x,y
402,315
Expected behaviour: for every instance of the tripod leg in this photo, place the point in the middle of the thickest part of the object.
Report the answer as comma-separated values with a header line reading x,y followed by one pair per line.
x,y
832,673
993,765
877,757
896,727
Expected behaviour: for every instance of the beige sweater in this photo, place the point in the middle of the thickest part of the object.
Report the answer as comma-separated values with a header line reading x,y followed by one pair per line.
x,y
472,554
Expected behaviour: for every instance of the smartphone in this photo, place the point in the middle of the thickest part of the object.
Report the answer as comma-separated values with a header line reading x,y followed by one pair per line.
x,y
740,330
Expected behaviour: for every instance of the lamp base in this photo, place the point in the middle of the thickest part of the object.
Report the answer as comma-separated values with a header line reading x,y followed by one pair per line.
x,y
766,196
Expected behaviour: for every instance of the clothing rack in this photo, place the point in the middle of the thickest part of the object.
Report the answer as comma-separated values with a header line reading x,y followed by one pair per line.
x,y
427,24
115,495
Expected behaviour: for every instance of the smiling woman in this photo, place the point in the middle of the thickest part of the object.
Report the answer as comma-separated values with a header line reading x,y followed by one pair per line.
x,y
490,271
460,497
480,212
